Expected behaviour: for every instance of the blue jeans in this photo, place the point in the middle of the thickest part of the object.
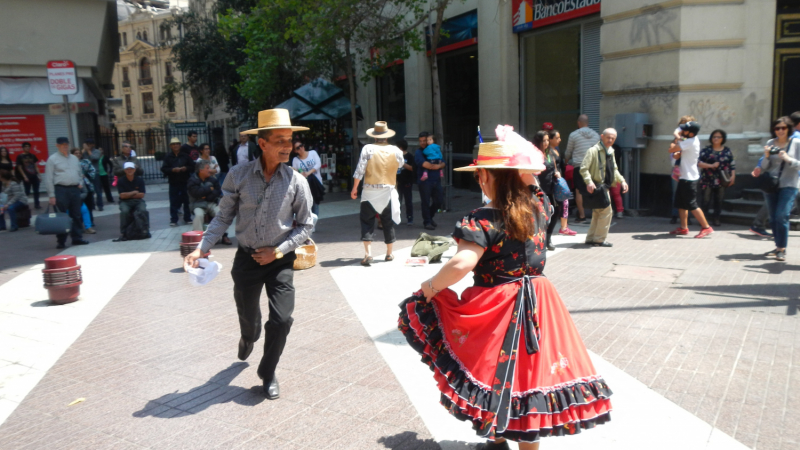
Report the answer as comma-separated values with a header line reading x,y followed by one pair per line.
x,y
178,197
780,206
12,214
98,188
315,209
431,197
674,189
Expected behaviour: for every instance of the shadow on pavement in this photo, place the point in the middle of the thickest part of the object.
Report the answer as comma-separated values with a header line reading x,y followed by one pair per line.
x,y
187,403
776,268
340,262
652,237
743,257
409,439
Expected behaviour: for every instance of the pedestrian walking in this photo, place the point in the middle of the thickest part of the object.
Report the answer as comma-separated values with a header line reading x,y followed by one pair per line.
x,y
273,203
547,182
578,144
405,181
63,179
377,168
599,171
243,151
781,161
27,170
5,160
506,355
554,152
719,173
308,164
178,167
675,161
87,191
431,193
686,194
15,200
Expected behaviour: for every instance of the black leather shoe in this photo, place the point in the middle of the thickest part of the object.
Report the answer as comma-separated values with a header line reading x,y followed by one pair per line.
x,y
434,223
273,389
61,245
80,242
245,348
604,244
429,227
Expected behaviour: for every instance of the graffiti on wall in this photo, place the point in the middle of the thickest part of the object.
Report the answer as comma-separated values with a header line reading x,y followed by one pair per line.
x,y
653,27
712,112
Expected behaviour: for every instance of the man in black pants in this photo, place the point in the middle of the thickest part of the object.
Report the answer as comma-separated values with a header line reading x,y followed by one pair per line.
x,y
63,178
431,194
405,181
269,197
178,167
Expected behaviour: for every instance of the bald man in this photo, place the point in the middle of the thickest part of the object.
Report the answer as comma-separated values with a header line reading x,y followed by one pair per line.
x,y
599,168
578,144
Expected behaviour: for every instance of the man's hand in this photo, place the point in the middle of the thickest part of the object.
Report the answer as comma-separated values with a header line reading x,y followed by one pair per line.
x,y
441,165
191,259
264,255
756,172
176,169
624,187
354,193
590,188
52,201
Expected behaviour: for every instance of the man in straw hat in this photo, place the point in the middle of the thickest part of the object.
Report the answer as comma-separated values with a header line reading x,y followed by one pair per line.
x,y
178,167
599,168
378,166
273,203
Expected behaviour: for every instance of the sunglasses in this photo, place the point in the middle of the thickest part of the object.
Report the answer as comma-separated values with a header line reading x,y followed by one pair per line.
x,y
780,128
716,137
298,146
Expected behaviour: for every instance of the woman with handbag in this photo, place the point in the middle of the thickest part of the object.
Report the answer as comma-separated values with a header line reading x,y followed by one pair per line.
x,y
779,181
553,149
719,173
548,181
506,355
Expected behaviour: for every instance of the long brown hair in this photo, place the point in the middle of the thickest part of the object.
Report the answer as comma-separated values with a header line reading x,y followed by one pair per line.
x,y
514,199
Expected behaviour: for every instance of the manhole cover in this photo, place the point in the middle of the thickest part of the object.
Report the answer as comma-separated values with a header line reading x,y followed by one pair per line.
x,y
645,273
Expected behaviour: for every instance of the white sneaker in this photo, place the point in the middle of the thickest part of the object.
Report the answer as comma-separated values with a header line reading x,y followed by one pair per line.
x,y
619,215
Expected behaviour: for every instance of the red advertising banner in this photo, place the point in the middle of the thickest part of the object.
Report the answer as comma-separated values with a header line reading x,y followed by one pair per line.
x,y
529,14
14,130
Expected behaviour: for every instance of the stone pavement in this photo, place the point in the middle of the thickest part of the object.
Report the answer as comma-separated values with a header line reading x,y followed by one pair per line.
x,y
703,323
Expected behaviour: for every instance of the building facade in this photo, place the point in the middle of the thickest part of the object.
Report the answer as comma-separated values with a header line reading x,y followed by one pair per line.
x,y
33,33
525,62
146,69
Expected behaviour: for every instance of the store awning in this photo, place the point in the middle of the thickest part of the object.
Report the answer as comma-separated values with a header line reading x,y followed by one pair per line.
x,y
319,100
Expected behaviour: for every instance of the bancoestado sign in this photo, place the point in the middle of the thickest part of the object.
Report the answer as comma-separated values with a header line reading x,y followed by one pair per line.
x,y
529,14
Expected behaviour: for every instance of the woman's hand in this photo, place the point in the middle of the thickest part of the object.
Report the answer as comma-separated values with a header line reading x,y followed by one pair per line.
x,y
427,292
766,151
715,165
558,174
784,156
756,172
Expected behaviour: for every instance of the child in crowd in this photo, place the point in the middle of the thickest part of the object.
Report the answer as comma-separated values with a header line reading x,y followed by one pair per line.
x,y
675,159
433,154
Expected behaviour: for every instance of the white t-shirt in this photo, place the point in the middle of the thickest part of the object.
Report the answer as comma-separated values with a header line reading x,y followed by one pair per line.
x,y
243,153
312,161
690,152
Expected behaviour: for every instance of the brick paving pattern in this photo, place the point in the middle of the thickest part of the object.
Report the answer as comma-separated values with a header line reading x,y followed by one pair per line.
x,y
158,365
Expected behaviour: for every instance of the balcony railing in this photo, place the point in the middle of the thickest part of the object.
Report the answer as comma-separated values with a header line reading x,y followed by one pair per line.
x,y
126,83
145,81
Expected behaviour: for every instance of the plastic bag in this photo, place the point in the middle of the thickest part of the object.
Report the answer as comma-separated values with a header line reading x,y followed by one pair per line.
x,y
204,273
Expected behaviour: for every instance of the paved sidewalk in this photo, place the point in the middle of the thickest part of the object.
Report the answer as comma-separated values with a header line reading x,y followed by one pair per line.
x,y
703,323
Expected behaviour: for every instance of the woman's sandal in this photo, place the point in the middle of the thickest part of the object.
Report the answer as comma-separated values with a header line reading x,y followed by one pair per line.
x,y
390,258
366,261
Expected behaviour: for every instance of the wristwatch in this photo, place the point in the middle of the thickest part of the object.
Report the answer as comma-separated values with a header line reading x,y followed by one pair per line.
x,y
278,254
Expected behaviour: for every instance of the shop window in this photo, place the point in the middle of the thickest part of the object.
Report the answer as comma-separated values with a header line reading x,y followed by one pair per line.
x,y
147,103
128,106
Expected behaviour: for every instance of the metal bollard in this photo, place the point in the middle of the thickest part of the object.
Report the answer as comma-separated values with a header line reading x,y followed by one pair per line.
x,y
62,279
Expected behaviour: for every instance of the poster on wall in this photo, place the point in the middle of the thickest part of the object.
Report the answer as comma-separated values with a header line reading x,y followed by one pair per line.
x,y
530,14
14,130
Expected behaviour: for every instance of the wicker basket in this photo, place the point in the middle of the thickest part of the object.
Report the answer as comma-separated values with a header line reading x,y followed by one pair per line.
x,y
306,255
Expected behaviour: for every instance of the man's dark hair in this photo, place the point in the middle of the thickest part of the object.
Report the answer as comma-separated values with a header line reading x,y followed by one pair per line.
x,y
402,144
722,133
88,141
191,133
264,134
424,134
795,116
26,144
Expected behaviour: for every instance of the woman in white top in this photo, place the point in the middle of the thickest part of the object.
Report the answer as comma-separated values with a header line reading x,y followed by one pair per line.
x,y
307,163
205,155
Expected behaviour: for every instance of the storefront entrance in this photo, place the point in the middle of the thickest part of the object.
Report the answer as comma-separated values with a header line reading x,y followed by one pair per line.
x,y
786,84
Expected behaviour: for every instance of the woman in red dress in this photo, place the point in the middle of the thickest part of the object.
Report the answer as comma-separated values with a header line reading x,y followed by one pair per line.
x,y
506,355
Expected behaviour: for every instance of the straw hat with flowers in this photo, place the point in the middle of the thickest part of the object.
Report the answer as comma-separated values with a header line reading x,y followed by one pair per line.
x,y
511,151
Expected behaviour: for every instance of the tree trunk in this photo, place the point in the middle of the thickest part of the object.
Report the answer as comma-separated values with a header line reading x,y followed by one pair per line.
x,y
438,122
353,117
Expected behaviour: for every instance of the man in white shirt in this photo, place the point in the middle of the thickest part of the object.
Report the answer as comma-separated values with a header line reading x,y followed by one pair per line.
x,y
244,152
686,194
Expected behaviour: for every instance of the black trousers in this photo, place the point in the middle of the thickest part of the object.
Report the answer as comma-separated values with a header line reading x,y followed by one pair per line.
x,y
406,196
367,217
106,187
32,185
126,210
713,197
68,199
556,217
431,197
179,196
249,279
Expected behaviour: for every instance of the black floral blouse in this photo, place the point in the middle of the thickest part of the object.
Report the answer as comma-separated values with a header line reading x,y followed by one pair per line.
x,y
710,178
504,258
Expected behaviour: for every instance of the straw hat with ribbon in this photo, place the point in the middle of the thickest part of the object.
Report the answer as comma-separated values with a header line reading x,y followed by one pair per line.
x,y
274,119
381,131
174,141
512,152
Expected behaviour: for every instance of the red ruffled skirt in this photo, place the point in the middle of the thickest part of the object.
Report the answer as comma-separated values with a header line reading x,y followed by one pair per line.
x,y
517,369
